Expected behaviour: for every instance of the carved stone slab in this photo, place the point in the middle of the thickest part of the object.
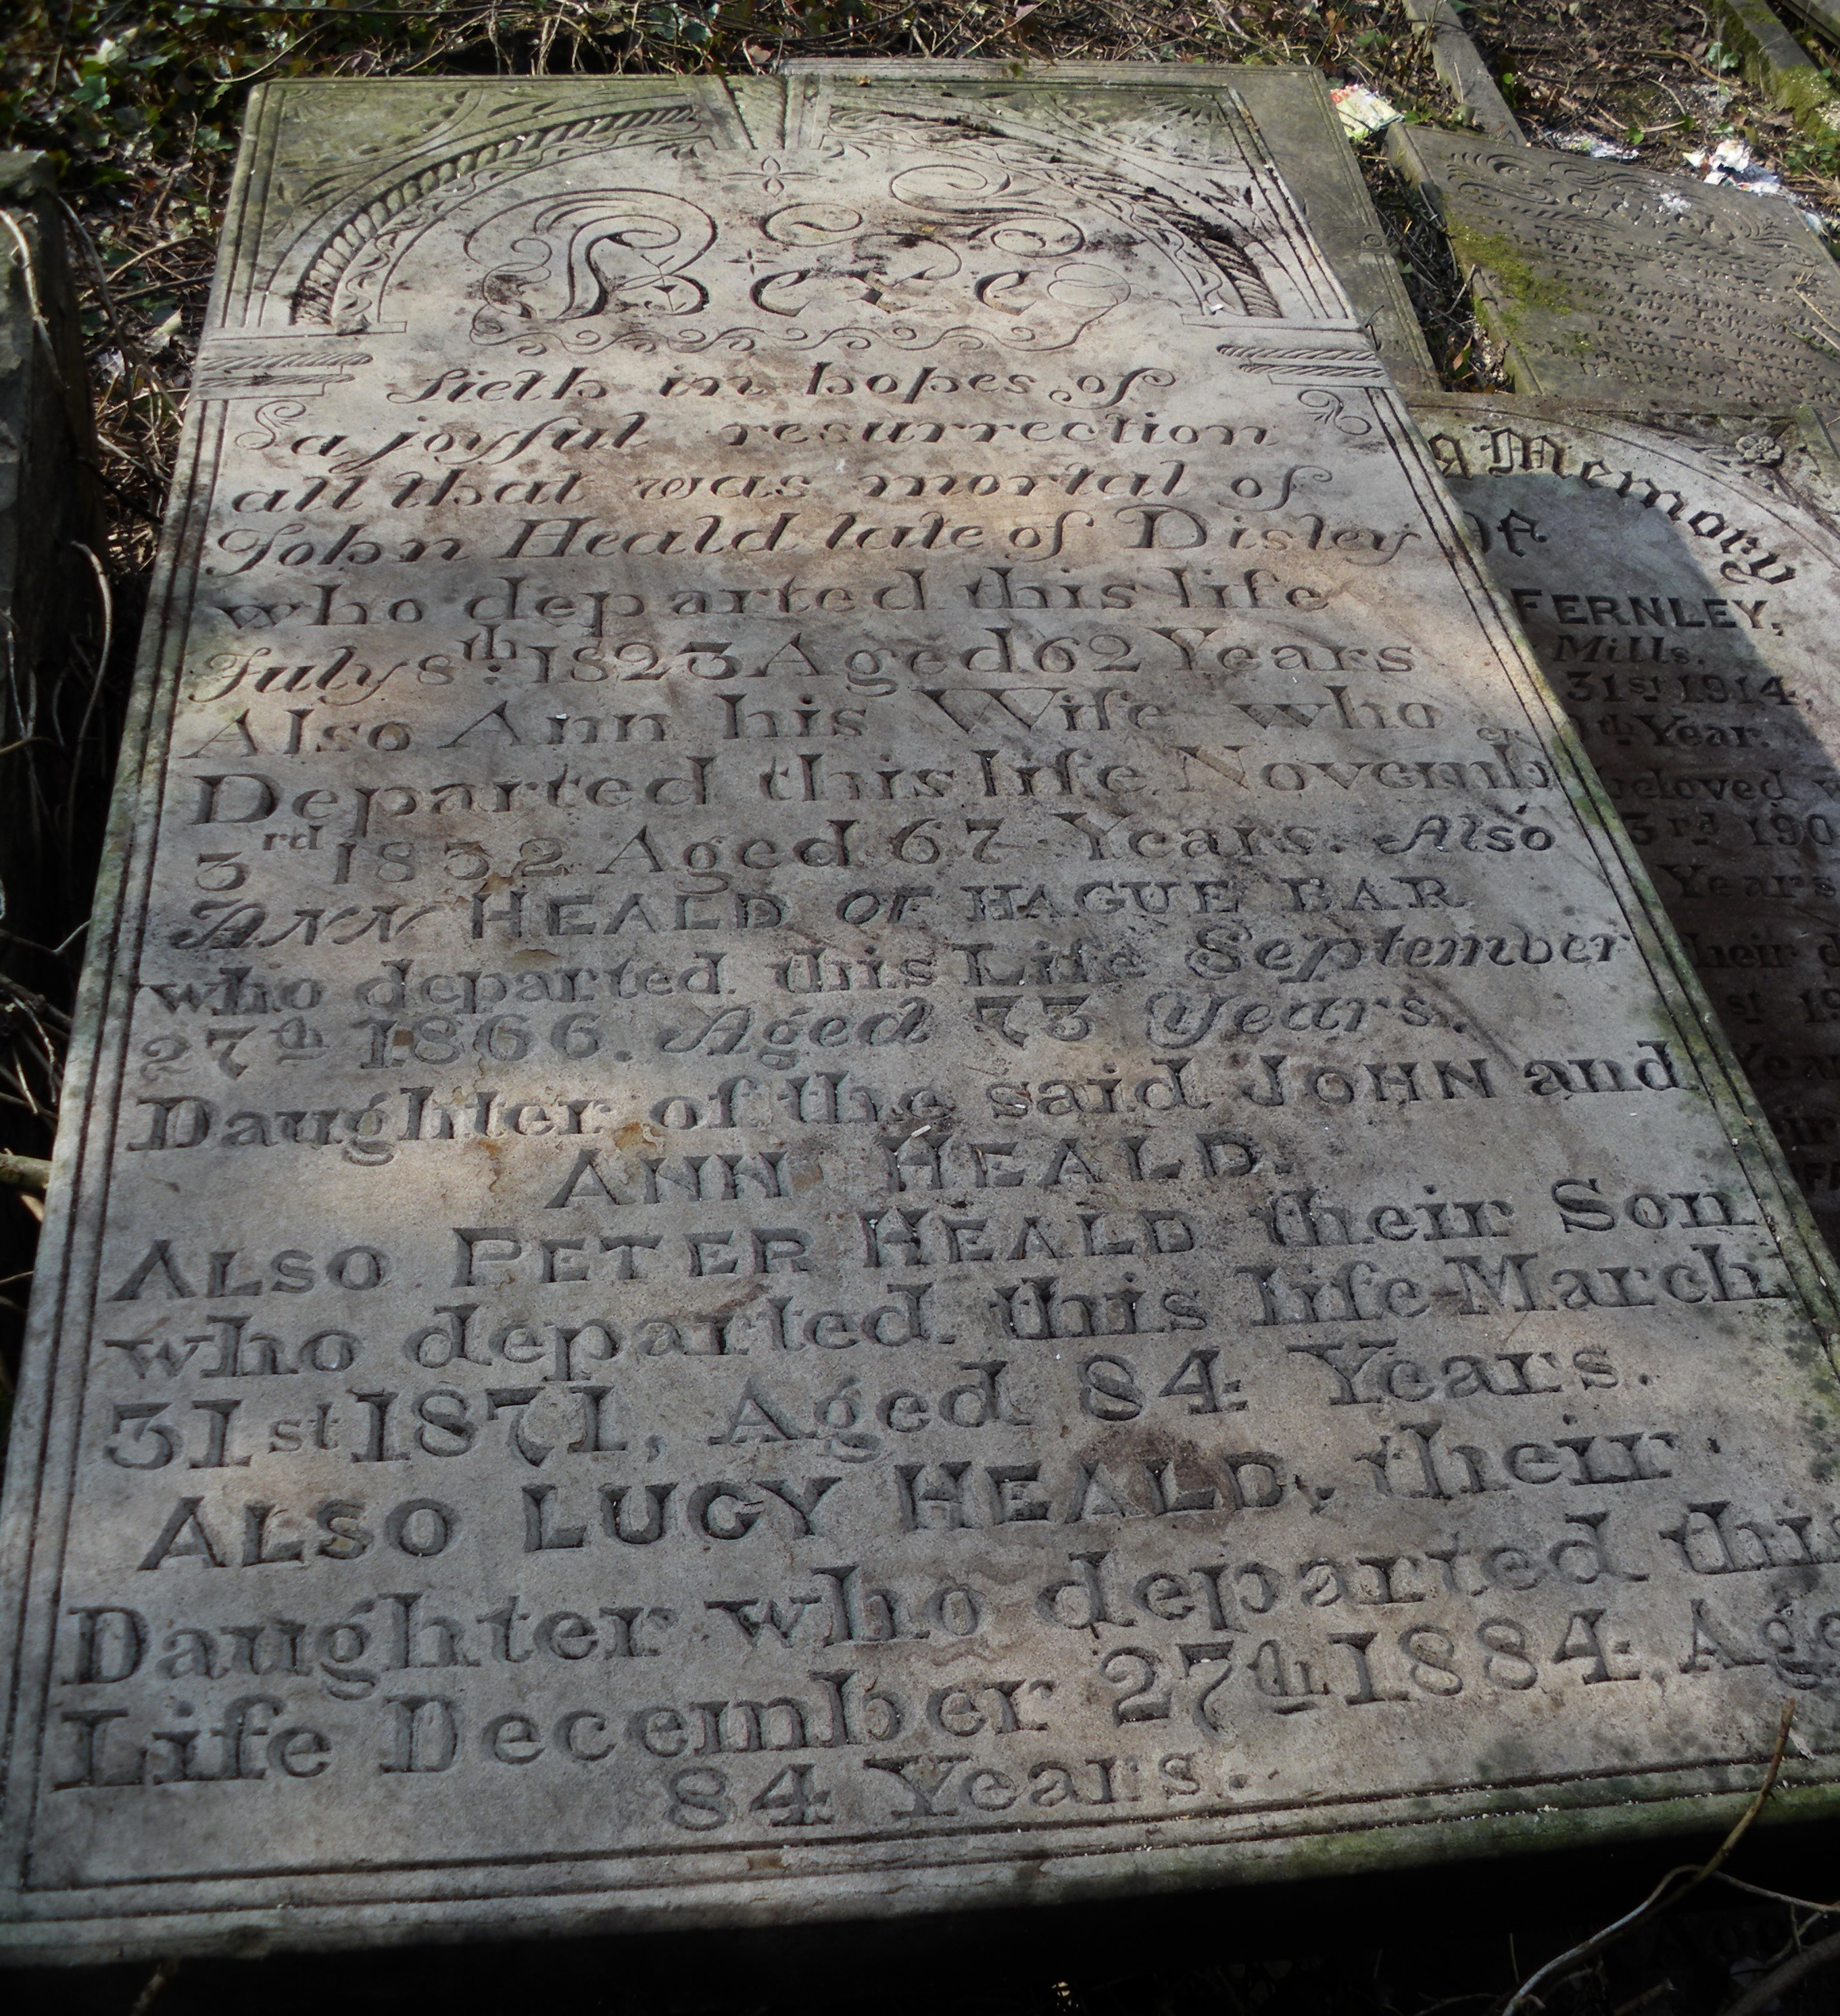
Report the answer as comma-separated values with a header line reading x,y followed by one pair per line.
x,y
1296,118
868,1119
1683,597
1610,285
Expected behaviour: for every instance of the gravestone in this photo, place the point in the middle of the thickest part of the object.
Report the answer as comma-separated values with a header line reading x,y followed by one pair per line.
x,y
1297,122
867,1119
1609,285
1684,595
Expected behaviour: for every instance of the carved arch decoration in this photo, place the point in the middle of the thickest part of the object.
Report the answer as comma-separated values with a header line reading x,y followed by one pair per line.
x,y
1149,190
1023,170
343,275
973,245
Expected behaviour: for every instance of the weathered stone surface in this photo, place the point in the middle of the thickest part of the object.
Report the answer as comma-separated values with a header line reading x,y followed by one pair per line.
x,y
1296,119
868,1118
1609,285
1684,595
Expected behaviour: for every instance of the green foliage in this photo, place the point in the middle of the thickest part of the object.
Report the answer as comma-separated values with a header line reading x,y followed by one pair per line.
x,y
114,91
1806,156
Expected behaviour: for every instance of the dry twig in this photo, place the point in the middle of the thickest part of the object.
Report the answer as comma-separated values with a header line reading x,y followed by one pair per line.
x,y
1667,1892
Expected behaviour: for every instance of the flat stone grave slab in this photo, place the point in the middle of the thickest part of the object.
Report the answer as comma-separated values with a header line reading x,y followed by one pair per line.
x,y
868,1118
1610,285
1684,595
1297,122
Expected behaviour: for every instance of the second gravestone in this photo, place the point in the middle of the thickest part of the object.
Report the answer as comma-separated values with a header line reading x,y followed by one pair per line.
x,y
867,1119
1684,596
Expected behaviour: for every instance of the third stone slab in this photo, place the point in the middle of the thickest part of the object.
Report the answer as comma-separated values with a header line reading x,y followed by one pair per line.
x,y
1613,287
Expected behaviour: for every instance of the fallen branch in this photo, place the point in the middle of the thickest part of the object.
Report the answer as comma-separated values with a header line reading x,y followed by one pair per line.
x,y
1782,1897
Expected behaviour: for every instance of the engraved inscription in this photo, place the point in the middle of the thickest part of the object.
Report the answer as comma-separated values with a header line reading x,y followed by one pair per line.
x,y
1686,632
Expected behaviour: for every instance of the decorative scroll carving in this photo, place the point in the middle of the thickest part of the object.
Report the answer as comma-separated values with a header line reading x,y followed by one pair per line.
x,y
557,260
346,277
1214,257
